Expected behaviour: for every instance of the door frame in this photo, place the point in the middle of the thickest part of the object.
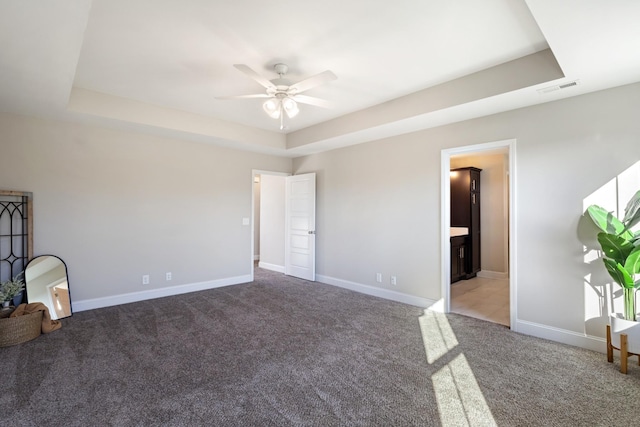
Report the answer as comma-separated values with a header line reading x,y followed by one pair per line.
x,y
445,221
254,173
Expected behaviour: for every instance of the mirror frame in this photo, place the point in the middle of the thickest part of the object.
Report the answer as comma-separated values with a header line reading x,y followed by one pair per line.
x,y
57,280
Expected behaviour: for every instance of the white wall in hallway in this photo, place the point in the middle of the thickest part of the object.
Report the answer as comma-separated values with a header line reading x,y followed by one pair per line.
x,y
272,220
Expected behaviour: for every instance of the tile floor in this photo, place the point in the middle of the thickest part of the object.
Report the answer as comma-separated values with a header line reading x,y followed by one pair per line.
x,y
482,298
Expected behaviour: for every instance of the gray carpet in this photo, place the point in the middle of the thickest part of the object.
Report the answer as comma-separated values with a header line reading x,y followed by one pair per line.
x,y
286,352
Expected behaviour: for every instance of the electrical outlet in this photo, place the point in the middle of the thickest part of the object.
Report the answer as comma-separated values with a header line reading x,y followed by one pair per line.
x,y
394,281
145,279
379,277
169,275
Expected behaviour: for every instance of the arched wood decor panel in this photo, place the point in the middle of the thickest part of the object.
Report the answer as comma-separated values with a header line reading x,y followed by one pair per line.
x,y
16,232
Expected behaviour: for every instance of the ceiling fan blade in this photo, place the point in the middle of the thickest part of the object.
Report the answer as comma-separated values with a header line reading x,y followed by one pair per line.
x,y
255,95
255,76
313,81
311,100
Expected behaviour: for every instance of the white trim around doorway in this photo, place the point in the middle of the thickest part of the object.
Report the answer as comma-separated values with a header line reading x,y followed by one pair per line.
x,y
445,215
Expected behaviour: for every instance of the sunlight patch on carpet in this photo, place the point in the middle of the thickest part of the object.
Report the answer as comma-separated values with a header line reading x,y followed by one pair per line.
x,y
459,398
437,335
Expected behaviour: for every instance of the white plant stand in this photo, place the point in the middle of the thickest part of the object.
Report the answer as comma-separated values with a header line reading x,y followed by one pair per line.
x,y
624,336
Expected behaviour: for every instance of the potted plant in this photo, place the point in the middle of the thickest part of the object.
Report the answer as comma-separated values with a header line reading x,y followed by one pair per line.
x,y
11,289
621,249
621,256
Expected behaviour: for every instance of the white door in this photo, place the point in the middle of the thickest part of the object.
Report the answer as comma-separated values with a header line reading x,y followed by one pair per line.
x,y
300,226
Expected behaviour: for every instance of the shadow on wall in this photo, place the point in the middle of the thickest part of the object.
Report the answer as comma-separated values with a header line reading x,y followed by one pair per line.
x,y
602,296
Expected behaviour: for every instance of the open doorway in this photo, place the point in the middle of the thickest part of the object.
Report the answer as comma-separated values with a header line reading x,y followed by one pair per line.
x,y
491,293
268,222
283,226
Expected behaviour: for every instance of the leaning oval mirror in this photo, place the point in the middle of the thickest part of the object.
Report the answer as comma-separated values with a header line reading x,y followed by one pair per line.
x,y
46,282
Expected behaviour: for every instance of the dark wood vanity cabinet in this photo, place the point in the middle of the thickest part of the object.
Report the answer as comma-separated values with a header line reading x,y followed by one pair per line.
x,y
465,212
458,259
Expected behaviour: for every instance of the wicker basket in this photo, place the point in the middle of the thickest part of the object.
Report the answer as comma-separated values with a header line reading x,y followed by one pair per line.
x,y
19,329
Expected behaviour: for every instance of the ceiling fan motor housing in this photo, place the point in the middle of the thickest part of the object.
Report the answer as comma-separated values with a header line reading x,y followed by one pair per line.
x,y
281,69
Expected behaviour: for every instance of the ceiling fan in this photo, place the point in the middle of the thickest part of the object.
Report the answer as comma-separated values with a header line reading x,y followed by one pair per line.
x,y
282,97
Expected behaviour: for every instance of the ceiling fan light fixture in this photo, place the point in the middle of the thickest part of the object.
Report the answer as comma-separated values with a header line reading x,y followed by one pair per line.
x,y
272,108
290,107
281,93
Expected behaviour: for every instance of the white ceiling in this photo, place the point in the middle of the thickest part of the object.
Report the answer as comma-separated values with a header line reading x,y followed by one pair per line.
x,y
158,66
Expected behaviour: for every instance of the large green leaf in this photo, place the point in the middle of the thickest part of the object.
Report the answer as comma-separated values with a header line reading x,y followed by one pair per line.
x,y
632,211
632,264
618,273
615,247
607,222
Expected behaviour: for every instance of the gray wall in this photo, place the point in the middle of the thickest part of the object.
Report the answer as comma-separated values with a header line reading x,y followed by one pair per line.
x,y
115,205
379,203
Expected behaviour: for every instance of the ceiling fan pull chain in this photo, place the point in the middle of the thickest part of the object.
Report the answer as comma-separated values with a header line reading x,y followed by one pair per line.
x,y
281,118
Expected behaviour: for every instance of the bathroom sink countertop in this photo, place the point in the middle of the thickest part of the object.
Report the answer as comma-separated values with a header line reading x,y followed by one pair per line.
x,y
459,231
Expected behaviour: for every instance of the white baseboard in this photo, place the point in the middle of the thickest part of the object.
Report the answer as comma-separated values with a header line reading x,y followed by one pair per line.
x,y
562,335
272,267
90,304
488,274
377,292
524,327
